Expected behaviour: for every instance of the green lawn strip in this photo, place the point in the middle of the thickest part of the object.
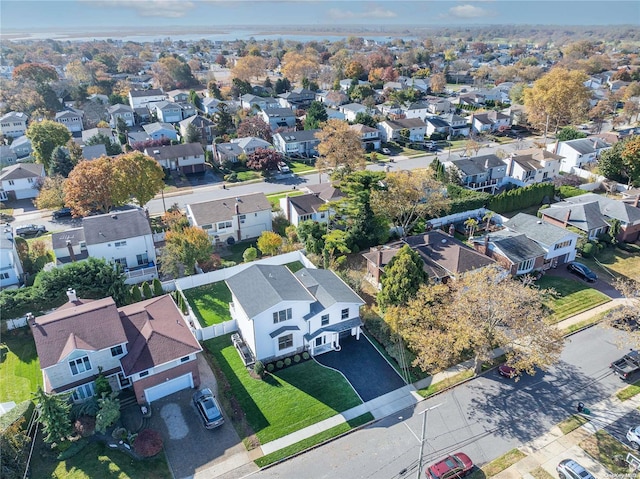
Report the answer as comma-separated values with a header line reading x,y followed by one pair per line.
x,y
275,198
572,423
294,266
210,303
313,440
573,297
498,465
21,373
97,460
625,262
248,175
445,383
300,167
234,252
629,392
604,448
287,400
540,473
587,322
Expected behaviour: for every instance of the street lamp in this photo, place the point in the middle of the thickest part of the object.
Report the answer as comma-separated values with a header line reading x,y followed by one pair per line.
x,y
424,413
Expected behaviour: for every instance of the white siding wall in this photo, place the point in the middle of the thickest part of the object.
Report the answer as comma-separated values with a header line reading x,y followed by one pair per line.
x,y
266,346
134,247
22,187
60,374
244,324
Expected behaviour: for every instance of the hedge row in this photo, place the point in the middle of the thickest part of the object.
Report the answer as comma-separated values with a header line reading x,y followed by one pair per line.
x,y
24,409
520,198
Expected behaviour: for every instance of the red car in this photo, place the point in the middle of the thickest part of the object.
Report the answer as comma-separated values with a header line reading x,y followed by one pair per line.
x,y
507,371
451,467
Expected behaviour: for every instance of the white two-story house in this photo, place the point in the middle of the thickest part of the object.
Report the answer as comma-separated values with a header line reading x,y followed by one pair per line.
x,y
124,237
13,124
391,130
280,313
490,121
71,118
297,143
140,98
278,118
232,219
21,181
167,111
533,165
11,272
186,157
369,137
577,153
146,346
121,111
480,173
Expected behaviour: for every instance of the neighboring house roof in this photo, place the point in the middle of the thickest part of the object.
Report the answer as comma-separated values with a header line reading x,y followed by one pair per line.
x,y
229,149
585,146
116,226
197,121
275,112
251,142
88,134
83,324
74,236
21,171
157,126
166,105
156,334
14,116
361,129
490,117
586,216
306,204
92,152
261,287
20,141
326,191
540,231
477,164
143,93
534,156
405,123
119,108
209,212
437,122
516,247
297,136
609,207
170,152
68,114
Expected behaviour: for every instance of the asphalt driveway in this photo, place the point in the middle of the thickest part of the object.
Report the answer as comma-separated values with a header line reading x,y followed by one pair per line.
x,y
364,367
192,450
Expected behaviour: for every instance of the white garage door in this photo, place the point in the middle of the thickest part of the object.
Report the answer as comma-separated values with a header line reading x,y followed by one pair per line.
x,y
168,387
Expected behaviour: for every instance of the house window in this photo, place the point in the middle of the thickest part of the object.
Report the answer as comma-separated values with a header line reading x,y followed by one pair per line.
x,y
324,320
320,341
280,316
143,374
30,180
120,243
526,265
4,275
116,350
185,359
83,392
142,259
121,261
207,227
345,313
80,365
11,182
285,342
223,225
564,244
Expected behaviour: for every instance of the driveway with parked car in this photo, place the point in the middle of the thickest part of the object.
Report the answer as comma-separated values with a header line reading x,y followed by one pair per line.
x,y
192,449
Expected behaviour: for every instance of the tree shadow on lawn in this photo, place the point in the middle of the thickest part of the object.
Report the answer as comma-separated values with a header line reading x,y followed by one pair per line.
x,y
212,299
21,344
527,408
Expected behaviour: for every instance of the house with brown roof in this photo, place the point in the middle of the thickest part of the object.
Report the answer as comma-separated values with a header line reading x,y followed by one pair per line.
x,y
533,165
232,219
147,347
443,255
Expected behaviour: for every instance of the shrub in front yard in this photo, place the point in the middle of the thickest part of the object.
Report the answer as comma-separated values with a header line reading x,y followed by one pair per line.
x,y
85,425
270,367
305,355
73,449
287,361
258,368
296,358
148,443
279,364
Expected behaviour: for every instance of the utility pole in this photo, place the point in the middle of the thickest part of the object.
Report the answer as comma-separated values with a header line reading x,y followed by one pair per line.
x,y
424,413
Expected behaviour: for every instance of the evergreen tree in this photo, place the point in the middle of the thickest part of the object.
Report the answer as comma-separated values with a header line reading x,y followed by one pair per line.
x,y
61,163
157,287
316,114
402,278
146,290
54,415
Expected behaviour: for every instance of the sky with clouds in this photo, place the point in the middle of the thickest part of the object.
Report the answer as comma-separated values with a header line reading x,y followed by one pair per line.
x,y
50,15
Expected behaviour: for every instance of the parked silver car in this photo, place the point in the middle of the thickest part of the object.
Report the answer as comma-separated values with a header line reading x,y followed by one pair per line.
x,y
208,408
570,469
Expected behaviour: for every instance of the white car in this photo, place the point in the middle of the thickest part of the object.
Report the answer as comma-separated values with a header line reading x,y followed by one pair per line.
x,y
633,436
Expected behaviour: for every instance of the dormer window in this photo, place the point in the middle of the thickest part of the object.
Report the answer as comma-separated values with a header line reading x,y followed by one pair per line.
x,y
80,365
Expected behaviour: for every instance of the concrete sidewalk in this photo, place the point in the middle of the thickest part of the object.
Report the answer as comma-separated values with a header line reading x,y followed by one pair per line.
x,y
407,396
551,448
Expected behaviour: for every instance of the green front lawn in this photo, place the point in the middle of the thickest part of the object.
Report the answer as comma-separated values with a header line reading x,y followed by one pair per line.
x,y
286,400
97,460
573,297
275,198
20,367
210,303
300,167
625,262
248,175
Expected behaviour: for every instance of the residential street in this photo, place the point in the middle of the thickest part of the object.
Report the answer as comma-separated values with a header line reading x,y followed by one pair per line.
x,y
485,417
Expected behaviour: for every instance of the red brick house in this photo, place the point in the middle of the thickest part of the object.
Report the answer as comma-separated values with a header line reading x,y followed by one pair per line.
x,y
146,346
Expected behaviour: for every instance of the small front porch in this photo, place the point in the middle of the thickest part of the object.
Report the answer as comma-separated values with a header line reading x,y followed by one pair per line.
x,y
328,338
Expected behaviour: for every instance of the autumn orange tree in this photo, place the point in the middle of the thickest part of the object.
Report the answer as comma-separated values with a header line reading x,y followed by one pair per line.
x,y
340,148
35,72
249,67
476,313
51,195
296,65
184,248
269,242
138,177
408,197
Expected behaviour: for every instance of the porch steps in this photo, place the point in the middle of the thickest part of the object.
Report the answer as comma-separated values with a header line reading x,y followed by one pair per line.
x,y
127,401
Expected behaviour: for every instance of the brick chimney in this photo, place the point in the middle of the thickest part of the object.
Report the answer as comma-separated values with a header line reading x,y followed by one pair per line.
x,y
237,209
567,218
72,255
379,258
71,294
636,201
486,245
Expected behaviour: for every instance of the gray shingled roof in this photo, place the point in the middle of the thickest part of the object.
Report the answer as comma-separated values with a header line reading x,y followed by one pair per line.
x,y
74,236
283,329
143,93
21,171
306,204
405,123
261,287
116,226
610,207
586,216
540,231
302,135
327,287
209,212
585,146
515,246
335,328
169,152
477,164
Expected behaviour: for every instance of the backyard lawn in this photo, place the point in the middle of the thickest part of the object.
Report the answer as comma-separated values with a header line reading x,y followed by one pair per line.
x,y
233,252
286,400
97,460
573,296
210,303
20,367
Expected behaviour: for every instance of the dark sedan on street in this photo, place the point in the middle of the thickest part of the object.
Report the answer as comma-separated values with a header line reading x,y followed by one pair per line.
x,y
582,270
